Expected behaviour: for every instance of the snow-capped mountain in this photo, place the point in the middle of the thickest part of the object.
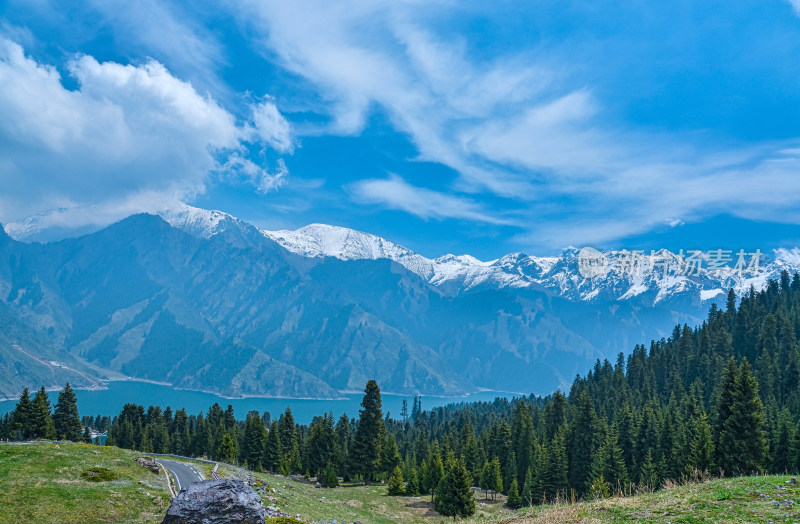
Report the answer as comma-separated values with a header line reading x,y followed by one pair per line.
x,y
652,278
318,310
656,277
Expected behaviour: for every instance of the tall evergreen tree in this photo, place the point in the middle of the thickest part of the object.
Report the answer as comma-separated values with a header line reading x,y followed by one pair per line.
x,y
65,417
23,415
743,442
273,450
41,420
701,450
255,439
584,444
366,450
396,482
454,496
514,500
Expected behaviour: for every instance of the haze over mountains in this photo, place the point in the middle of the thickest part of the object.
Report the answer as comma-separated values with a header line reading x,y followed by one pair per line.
x,y
202,300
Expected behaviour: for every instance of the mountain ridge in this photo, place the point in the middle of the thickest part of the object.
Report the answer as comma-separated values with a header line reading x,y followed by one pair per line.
x,y
205,301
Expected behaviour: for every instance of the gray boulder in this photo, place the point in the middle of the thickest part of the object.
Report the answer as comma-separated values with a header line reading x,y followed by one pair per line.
x,y
216,501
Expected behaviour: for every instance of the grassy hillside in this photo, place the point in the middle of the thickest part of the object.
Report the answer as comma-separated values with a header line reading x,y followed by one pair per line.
x,y
77,483
351,502
48,483
745,499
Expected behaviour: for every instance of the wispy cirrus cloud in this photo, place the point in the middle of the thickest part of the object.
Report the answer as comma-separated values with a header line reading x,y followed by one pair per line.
x,y
513,127
396,193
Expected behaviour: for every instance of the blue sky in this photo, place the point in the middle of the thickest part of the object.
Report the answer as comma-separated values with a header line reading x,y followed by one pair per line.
x,y
464,127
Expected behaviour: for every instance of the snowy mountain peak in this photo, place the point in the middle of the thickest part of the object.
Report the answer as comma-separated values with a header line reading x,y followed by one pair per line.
x,y
199,222
315,240
651,277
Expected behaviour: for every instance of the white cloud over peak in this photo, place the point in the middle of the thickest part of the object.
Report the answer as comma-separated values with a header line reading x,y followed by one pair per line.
x,y
126,132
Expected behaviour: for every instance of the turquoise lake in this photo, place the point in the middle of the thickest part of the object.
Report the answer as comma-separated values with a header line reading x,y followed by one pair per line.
x,y
110,401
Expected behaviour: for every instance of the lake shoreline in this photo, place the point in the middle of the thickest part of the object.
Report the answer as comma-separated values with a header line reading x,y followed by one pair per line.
x,y
110,399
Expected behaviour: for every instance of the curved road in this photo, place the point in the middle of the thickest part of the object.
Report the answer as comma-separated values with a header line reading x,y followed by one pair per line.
x,y
183,473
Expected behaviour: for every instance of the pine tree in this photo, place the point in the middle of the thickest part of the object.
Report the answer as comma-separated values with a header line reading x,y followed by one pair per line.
x,y
396,482
434,471
390,455
486,482
557,467
412,486
599,489
65,417
23,415
227,449
648,476
273,454
41,419
366,450
522,437
609,464
496,478
528,488
454,494
255,438
320,446
584,444
511,471
701,449
514,500
743,443
782,450
329,479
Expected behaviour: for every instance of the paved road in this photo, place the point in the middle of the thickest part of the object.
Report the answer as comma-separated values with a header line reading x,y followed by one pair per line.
x,y
184,473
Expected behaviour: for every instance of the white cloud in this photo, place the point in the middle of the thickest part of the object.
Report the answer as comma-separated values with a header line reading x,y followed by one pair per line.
x,y
125,132
272,127
796,6
396,193
513,127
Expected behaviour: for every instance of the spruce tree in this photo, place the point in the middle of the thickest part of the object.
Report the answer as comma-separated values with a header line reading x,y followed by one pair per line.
x,y
227,449
65,417
511,471
782,448
329,479
609,464
255,438
41,420
701,449
412,486
496,477
390,455
584,444
454,494
514,500
558,483
23,416
396,483
648,476
434,471
743,443
528,489
366,450
486,479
